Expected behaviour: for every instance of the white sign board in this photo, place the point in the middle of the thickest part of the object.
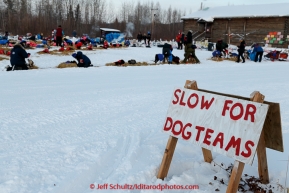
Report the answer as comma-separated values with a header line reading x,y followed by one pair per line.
x,y
225,125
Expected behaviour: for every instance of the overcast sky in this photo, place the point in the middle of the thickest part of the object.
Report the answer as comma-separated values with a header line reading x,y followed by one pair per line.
x,y
194,5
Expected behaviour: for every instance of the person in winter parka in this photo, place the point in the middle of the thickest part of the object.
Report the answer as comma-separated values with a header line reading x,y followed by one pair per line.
x,y
149,35
83,60
241,50
190,49
144,37
179,41
127,42
167,52
18,55
74,34
183,40
105,44
59,36
259,52
221,46
139,37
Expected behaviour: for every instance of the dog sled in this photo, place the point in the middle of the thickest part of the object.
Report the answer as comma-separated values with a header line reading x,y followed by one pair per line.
x,y
283,56
217,56
276,55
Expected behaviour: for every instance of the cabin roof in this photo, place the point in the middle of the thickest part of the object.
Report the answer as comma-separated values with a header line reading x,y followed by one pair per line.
x,y
240,11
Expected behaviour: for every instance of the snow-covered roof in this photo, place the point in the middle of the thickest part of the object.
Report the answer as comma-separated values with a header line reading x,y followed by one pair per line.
x,y
241,11
110,30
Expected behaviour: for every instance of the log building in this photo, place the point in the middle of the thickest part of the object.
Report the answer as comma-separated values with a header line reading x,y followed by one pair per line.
x,y
266,24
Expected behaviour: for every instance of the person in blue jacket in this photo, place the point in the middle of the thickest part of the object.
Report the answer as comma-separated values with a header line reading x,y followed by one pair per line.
x,y
83,60
259,52
74,34
18,55
159,57
127,42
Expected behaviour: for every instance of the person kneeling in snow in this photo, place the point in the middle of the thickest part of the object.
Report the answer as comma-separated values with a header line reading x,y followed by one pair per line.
x,y
127,42
105,44
167,52
83,60
17,57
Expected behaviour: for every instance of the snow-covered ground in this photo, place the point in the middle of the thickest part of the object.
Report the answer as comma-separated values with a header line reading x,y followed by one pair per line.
x,y
62,130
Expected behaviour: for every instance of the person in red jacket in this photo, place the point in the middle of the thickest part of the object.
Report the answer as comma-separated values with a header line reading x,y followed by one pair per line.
x,y
105,44
179,40
58,36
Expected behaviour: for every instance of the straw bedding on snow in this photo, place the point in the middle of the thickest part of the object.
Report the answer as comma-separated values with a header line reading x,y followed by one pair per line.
x,y
67,65
127,64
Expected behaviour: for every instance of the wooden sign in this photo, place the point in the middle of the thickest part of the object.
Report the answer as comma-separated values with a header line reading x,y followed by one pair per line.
x,y
232,125
225,125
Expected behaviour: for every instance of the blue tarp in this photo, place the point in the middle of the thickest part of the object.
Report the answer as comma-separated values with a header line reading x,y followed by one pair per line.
x,y
97,40
252,55
3,42
92,41
114,37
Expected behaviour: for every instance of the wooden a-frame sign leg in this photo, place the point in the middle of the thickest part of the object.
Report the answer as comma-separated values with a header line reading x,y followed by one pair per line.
x,y
235,177
167,158
261,148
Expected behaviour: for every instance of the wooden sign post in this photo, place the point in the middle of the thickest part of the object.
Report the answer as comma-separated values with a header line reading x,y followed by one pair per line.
x,y
230,125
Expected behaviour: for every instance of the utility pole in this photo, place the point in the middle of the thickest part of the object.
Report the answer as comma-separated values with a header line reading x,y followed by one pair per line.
x,y
153,20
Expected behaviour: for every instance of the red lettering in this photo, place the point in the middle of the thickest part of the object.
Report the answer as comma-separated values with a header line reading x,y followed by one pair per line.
x,y
226,106
199,128
251,113
182,99
174,126
219,139
206,104
177,128
189,134
236,117
189,101
249,151
169,120
235,144
208,136
176,96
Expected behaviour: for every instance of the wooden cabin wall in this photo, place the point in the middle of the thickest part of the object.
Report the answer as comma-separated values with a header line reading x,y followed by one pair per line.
x,y
190,24
255,28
